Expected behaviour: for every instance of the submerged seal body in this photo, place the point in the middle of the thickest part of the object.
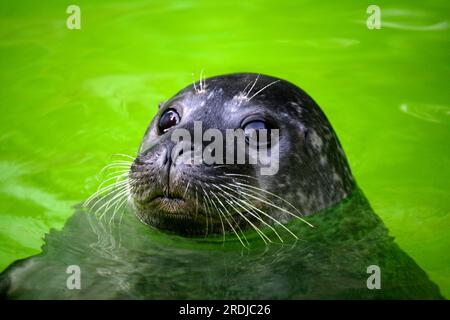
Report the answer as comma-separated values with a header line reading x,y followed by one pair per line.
x,y
312,170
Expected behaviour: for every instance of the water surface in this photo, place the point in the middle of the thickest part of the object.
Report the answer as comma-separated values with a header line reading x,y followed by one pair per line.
x,y
71,99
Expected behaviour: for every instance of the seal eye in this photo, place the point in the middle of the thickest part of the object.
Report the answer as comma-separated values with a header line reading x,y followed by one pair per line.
x,y
253,126
252,131
168,119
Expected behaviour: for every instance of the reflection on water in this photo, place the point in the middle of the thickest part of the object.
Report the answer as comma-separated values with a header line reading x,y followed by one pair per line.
x,y
126,259
427,112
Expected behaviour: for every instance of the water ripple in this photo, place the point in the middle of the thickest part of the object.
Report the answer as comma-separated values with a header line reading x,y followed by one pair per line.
x,y
427,112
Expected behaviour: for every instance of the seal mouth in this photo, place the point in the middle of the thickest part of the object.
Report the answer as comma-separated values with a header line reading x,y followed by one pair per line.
x,y
169,203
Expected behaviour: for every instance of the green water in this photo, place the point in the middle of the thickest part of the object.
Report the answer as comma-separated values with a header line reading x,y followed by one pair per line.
x,y
72,98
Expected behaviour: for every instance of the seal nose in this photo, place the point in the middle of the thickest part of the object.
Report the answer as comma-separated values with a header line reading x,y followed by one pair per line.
x,y
168,158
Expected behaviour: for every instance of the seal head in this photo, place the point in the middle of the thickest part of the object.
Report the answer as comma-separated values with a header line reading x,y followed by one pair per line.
x,y
191,198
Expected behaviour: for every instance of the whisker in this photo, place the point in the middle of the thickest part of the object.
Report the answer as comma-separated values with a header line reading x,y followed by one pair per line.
x,y
119,171
187,187
256,80
246,186
231,225
103,193
118,206
243,91
204,80
193,82
253,214
115,165
103,190
196,202
223,228
117,197
123,155
261,234
265,87
277,207
202,88
117,178
240,175
264,213
208,213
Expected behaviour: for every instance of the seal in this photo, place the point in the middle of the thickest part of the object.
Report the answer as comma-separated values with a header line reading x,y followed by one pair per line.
x,y
348,255
313,172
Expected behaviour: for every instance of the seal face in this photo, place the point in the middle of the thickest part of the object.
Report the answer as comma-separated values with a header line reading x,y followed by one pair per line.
x,y
193,199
